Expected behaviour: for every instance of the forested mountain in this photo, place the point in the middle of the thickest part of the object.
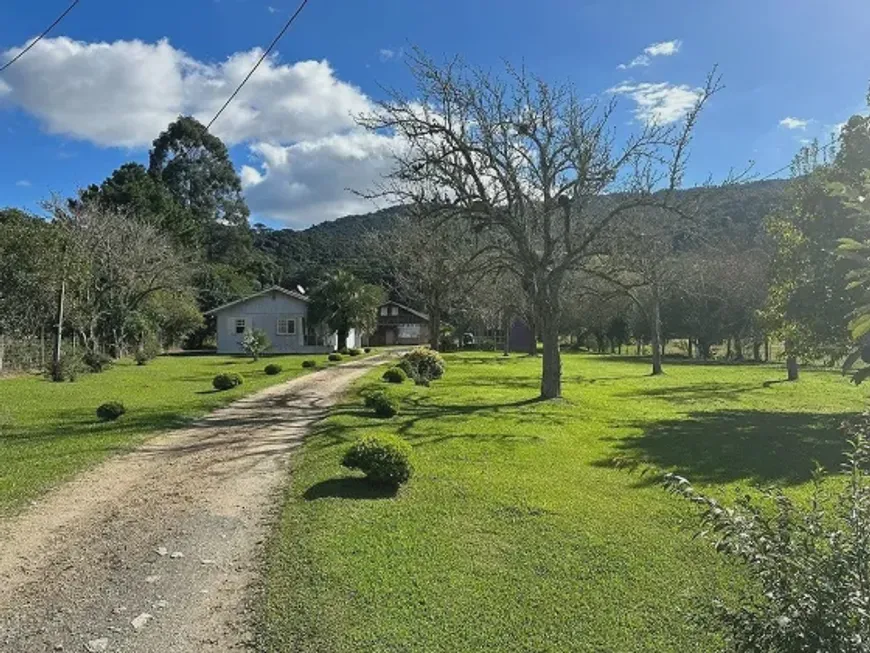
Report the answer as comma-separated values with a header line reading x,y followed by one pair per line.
x,y
736,212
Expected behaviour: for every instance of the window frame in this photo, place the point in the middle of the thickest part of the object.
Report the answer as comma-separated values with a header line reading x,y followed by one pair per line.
x,y
290,326
244,323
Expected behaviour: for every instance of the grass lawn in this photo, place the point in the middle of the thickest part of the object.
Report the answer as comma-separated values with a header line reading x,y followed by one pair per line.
x,y
517,533
49,431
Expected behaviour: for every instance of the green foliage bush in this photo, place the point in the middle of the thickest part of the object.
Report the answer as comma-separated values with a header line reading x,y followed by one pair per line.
x,y
111,411
383,404
807,561
395,375
227,380
384,459
343,351
273,368
335,357
255,343
423,365
367,350
69,368
309,364
97,362
354,352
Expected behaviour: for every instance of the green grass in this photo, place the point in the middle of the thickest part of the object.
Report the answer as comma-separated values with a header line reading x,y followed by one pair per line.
x,y
518,533
49,431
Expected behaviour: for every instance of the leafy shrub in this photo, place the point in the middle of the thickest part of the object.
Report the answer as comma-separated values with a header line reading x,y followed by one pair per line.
x,y
273,368
343,351
255,342
384,459
395,375
309,364
97,362
354,352
808,560
367,350
227,380
487,345
424,364
334,357
148,350
111,411
383,404
69,368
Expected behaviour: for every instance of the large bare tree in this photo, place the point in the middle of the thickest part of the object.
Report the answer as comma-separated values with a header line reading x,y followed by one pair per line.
x,y
542,173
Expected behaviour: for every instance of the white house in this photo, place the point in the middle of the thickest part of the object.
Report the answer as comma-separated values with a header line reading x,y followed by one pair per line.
x,y
283,315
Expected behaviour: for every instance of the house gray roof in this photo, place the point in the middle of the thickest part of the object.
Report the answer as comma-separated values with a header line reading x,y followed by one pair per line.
x,y
407,308
279,289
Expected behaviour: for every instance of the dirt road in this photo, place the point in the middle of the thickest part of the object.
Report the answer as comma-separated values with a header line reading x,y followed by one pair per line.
x,y
155,551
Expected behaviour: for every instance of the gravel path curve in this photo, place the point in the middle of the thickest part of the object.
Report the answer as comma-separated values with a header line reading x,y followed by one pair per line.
x,y
156,550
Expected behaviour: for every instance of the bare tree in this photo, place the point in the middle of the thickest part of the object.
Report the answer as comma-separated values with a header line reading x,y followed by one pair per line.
x,y
536,169
116,264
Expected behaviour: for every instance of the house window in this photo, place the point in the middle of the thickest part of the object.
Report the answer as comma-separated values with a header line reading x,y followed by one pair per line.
x,y
286,327
384,310
312,336
394,310
240,325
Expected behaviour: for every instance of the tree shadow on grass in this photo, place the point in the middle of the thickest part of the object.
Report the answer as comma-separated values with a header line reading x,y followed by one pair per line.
x,y
696,392
738,445
348,487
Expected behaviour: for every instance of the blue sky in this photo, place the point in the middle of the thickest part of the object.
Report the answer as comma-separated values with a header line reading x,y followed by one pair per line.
x,y
114,73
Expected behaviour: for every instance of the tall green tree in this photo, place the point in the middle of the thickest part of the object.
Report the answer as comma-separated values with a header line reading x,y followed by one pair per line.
x,y
343,302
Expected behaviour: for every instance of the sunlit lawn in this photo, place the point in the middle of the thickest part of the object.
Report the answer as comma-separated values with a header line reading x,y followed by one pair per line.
x,y
48,430
518,533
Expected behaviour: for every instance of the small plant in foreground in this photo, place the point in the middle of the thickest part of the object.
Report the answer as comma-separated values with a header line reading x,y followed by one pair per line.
x,y
335,357
384,459
273,368
255,342
367,350
354,352
227,380
395,375
383,404
309,364
111,411
809,561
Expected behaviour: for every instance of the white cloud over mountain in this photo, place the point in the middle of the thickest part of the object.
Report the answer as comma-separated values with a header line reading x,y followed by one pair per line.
x,y
660,103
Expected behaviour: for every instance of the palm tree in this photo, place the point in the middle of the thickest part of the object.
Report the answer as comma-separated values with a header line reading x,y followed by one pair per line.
x,y
344,302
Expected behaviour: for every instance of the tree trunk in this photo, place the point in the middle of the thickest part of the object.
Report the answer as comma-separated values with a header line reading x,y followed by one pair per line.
x,y
656,328
689,347
2,351
342,338
58,340
728,350
791,363
638,352
435,328
533,340
756,351
506,330
738,348
767,350
551,375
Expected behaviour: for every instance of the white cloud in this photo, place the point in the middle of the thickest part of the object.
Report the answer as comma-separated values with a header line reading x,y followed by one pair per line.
x,y
661,49
659,103
385,54
793,123
312,181
271,9
124,93
23,183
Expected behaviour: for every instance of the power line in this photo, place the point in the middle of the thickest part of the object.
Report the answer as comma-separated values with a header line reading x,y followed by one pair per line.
x,y
39,38
257,65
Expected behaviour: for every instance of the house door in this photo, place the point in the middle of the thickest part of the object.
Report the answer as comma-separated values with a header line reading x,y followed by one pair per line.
x,y
390,337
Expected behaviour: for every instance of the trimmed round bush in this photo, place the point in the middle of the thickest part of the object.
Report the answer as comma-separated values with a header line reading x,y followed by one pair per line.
x,y
383,404
309,364
335,357
384,459
273,368
227,381
110,411
395,375
343,351
367,350
423,365
354,352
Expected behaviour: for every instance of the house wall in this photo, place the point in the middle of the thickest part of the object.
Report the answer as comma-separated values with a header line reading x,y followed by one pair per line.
x,y
263,313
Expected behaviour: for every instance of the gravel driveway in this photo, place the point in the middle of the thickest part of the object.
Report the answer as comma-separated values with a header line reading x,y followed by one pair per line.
x,y
156,550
